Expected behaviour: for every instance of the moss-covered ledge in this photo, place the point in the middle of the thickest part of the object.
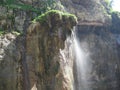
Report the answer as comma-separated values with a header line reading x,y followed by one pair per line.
x,y
56,18
54,22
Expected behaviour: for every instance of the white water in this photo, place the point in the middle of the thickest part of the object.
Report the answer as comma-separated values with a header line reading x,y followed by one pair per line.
x,y
83,67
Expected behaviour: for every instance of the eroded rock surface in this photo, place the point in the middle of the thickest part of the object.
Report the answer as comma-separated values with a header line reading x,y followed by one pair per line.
x,y
9,57
46,58
90,12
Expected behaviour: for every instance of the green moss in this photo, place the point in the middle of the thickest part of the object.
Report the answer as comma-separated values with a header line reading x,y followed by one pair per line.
x,y
2,32
41,18
16,33
70,15
54,14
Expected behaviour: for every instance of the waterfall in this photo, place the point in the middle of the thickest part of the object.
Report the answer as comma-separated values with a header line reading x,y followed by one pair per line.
x,y
82,66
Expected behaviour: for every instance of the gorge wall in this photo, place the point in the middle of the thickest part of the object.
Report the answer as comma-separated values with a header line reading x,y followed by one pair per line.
x,y
37,59
98,33
102,46
40,58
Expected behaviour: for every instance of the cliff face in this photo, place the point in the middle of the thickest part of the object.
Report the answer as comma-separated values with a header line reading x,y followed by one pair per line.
x,y
39,60
43,58
103,49
9,58
90,12
99,36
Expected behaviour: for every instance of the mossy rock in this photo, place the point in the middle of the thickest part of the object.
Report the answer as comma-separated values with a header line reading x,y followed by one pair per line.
x,y
56,18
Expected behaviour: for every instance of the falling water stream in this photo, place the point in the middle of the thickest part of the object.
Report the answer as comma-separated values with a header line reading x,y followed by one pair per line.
x,y
82,66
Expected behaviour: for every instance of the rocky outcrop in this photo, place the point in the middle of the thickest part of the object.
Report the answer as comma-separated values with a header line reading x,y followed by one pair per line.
x,y
90,12
38,60
17,15
46,52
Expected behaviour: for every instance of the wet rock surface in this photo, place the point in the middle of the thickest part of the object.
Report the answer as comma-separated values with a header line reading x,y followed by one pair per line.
x,y
103,49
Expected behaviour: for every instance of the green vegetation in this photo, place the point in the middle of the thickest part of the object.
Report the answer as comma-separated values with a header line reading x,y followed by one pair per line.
x,y
44,5
44,8
54,14
43,18
36,7
16,33
2,32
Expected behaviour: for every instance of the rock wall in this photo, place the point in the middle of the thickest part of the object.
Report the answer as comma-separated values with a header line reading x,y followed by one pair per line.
x,y
92,12
48,56
103,48
88,12
9,62
39,60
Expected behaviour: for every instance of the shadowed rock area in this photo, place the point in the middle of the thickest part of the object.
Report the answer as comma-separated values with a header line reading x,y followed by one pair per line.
x,y
9,59
102,46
